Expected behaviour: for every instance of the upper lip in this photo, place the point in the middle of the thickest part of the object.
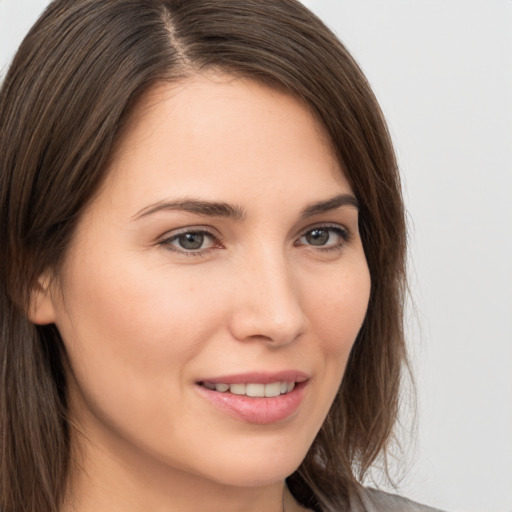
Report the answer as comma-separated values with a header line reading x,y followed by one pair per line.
x,y
258,377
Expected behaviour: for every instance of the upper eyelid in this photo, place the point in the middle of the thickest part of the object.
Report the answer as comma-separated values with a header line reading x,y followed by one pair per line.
x,y
346,233
327,225
207,230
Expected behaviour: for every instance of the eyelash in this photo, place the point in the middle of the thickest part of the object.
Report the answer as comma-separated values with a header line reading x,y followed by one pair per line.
x,y
343,234
168,242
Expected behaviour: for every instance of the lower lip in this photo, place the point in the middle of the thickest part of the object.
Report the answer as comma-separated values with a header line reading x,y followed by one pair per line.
x,y
260,411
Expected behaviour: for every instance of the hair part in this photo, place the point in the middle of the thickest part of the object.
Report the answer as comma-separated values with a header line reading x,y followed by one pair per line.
x,y
64,103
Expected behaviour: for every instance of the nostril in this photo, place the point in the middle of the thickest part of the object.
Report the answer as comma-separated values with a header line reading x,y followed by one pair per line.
x,y
251,327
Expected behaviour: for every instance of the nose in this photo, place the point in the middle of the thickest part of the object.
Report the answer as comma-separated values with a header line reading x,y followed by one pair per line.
x,y
267,303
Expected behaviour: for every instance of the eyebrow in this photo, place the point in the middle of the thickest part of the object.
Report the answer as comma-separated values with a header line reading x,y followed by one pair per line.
x,y
191,205
329,205
219,209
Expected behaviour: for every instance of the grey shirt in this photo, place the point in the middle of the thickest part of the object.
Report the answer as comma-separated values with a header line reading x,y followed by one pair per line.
x,y
371,500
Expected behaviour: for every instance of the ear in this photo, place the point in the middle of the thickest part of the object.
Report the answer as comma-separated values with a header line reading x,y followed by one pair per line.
x,y
41,308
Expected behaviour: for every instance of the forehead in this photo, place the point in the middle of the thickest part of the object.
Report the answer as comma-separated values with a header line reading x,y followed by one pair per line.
x,y
208,94
222,133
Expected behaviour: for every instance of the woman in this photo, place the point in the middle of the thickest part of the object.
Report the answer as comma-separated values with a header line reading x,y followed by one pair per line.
x,y
202,263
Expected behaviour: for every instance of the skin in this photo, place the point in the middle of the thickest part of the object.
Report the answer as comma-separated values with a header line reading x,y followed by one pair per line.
x,y
142,319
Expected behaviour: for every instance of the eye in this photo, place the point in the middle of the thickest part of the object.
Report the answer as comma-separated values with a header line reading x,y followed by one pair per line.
x,y
191,242
324,237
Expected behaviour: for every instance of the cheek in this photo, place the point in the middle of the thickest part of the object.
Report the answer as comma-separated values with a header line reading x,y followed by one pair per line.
x,y
132,308
338,309
129,331
130,336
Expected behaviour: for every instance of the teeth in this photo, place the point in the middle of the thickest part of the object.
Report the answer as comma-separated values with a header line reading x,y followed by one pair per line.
x,y
256,390
237,389
253,389
273,389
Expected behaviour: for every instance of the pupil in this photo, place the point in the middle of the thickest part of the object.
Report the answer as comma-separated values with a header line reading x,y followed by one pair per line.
x,y
191,241
318,237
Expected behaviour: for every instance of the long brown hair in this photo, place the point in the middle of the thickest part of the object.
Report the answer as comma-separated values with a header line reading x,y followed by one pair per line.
x,y
67,95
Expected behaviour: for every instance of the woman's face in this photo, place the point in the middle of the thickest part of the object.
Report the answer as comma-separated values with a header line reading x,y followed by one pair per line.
x,y
220,259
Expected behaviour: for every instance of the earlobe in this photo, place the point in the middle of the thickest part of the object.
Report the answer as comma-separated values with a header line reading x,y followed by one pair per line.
x,y
41,310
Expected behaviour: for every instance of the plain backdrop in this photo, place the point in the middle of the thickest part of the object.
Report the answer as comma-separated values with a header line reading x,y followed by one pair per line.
x,y
442,70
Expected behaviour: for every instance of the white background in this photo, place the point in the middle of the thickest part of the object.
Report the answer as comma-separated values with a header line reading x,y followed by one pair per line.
x,y
442,70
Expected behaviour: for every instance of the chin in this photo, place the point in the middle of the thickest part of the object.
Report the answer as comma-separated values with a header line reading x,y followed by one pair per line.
x,y
256,476
253,468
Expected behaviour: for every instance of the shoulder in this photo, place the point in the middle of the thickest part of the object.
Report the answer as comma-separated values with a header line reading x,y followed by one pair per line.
x,y
380,501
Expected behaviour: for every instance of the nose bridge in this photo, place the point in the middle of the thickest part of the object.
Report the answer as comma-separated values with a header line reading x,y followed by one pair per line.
x,y
268,304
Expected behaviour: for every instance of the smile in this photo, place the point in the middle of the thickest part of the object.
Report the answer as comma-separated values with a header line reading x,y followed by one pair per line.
x,y
255,390
258,397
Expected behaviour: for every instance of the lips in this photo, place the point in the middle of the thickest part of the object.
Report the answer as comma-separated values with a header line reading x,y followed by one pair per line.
x,y
260,398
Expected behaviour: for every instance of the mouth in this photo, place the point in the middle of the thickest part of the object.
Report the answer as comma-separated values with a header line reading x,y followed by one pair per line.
x,y
258,398
252,389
